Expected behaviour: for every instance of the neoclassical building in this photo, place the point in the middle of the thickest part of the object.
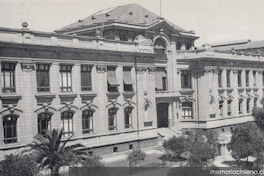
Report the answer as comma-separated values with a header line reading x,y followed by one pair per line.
x,y
116,78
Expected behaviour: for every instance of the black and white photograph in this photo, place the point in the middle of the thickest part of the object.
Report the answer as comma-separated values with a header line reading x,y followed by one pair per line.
x,y
131,87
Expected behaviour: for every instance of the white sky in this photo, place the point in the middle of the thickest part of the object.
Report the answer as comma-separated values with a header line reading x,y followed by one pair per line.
x,y
213,20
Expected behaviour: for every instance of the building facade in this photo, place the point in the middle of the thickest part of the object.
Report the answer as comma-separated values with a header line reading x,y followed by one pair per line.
x,y
115,78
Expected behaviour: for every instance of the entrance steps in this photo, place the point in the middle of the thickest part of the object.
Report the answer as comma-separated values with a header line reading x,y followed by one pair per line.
x,y
166,133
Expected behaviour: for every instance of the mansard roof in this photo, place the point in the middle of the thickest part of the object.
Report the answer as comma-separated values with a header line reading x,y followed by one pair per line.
x,y
130,14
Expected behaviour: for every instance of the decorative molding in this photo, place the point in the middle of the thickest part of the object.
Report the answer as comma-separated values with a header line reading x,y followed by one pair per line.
x,y
89,106
28,67
88,97
46,108
152,70
128,95
129,103
67,98
10,99
113,104
68,107
11,110
44,98
101,68
140,70
112,96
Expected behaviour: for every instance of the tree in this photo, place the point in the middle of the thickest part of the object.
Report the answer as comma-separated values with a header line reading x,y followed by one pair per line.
x,y
202,148
258,114
247,140
14,165
52,153
135,157
175,146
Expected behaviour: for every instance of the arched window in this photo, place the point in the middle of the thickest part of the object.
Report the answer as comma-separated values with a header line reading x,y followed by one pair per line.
x,y
248,105
112,118
128,117
159,46
10,128
221,111
44,123
67,123
87,121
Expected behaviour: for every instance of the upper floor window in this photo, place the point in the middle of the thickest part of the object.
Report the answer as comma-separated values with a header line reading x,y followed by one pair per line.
x,y
112,80
187,46
67,123
228,78
10,129
128,117
128,83
43,84
187,110
161,79
263,78
220,78
239,78
8,77
254,78
186,79
87,121
229,107
86,78
159,46
44,123
112,119
65,78
178,46
247,78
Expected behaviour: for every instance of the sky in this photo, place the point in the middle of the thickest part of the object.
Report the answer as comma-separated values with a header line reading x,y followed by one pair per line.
x,y
213,21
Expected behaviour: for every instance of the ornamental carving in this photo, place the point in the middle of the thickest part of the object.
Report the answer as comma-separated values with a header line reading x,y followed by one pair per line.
x,y
101,68
140,70
29,67
152,70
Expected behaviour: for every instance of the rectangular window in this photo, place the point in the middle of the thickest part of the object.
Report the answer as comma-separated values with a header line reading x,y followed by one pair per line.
x,y
186,79
43,84
161,79
254,78
128,83
86,78
228,78
112,80
65,78
8,77
221,108
178,46
247,78
187,110
220,78
240,106
239,78
229,107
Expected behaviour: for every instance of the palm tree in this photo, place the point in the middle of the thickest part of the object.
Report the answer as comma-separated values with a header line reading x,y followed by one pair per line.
x,y
52,153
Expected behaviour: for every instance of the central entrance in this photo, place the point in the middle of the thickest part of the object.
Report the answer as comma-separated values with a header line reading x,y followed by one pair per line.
x,y
162,115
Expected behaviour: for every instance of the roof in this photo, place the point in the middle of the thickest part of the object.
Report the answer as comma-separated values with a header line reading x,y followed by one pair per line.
x,y
238,42
132,14
239,45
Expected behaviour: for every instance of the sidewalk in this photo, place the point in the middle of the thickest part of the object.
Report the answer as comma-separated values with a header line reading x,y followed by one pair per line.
x,y
123,156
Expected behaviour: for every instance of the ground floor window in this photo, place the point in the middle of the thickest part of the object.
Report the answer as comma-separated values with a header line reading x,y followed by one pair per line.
x,y
128,117
66,123
112,118
44,123
10,129
187,110
87,121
